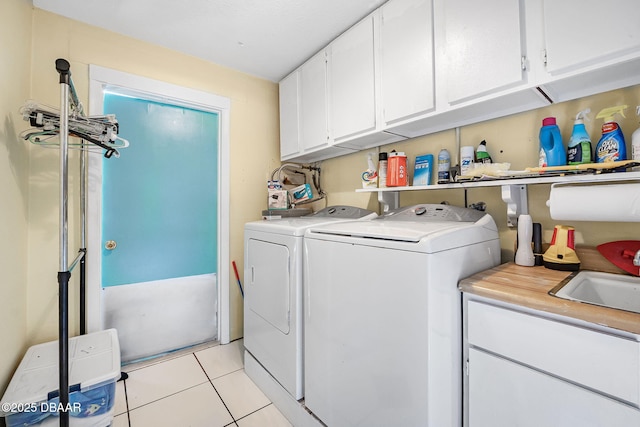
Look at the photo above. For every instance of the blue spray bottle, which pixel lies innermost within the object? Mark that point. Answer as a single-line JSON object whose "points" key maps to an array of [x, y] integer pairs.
{"points": [[552, 151], [611, 146], [579, 147]]}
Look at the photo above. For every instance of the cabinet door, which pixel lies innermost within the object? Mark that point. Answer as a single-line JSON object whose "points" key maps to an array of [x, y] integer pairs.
{"points": [[288, 89], [351, 80], [504, 393], [313, 103], [580, 33], [406, 59], [484, 47]]}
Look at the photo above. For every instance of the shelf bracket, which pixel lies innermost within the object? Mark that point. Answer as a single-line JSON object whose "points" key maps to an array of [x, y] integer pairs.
{"points": [[389, 200], [515, 196]]}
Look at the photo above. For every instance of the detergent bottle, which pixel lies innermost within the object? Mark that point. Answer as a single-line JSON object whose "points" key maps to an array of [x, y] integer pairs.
{"points": [[552, 151], [611, 146], [579, 147]]}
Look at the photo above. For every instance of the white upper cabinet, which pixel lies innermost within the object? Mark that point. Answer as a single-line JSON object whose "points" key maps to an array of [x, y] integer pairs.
{"points": [[484, 47], [583, 33], [304, 126], [589, 47], [415, 67], [289, 116], [406, 59], [314, 132], [352, 81], [355, 110]]}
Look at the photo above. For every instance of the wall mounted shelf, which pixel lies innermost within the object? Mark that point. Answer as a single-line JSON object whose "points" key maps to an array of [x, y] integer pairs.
{"points": [[514, 190]]}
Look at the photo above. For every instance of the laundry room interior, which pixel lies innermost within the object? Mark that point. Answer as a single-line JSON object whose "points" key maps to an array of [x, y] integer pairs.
{"points": [[317, 294]]}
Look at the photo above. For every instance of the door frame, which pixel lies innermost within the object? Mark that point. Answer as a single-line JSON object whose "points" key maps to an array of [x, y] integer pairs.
{"points": [[101, 79]]}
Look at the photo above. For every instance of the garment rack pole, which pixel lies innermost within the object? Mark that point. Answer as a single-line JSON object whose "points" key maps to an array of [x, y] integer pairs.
{"points": [[64, 273], [83, 239]]}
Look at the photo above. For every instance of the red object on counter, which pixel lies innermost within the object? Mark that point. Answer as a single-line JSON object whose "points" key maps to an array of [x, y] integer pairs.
{"points": [[620, 253]]}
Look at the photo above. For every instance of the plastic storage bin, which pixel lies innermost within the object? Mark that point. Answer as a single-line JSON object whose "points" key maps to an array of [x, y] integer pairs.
{"points": [[94, 367]]}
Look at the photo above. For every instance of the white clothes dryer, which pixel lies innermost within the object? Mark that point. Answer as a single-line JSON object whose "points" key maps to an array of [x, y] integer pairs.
{"points": [[273, 291], [383, 329]]}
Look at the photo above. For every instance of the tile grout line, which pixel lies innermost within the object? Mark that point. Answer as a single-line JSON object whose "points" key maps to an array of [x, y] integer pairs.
{"points": [[216, 390], [164, 397], [136, 366], [253, 412]]}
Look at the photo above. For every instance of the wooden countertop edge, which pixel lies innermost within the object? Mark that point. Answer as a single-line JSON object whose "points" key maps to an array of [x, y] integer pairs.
{"points": [[529, 287]]}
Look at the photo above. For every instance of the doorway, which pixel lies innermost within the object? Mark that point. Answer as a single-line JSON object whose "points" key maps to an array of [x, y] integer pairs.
{"points": [[177, 295]]}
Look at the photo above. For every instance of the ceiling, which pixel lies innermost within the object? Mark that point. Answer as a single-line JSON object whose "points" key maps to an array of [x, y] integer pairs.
{"points": [[264, 38]]}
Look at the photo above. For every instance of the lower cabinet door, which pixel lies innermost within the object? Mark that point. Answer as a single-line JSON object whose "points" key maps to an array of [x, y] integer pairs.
{"points": [[505, 393]]}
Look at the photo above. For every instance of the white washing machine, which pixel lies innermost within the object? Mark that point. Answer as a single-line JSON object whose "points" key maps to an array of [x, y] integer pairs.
{"points": [[273, 291], [383, 330]]}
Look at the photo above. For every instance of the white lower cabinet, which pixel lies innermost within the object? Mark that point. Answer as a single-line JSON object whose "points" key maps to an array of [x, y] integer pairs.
{"points": [[506, 393], [527, 368]]}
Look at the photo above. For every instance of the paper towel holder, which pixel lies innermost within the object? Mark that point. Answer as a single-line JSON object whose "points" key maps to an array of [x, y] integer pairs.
{"points": [[617, 201]]}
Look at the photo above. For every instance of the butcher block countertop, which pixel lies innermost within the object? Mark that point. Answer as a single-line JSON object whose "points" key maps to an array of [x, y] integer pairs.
{"points": [[529, 287]]}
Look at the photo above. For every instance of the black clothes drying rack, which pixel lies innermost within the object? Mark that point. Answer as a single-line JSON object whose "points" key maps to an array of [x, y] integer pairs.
{"points": [[96, 132]]}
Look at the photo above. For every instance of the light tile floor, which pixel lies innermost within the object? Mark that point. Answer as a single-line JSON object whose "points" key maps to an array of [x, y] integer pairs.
{"points": [[206, 387]]}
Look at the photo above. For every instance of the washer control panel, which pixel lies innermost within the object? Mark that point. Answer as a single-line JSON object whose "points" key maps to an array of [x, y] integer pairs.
{"points": [[433, 212]]}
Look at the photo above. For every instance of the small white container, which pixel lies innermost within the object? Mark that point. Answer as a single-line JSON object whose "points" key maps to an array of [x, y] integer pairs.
{"points": [[467, 159], [94, 367]]}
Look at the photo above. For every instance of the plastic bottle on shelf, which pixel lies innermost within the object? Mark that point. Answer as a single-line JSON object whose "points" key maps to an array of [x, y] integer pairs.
{"points": [[397, 169], [482, 155], [635, 143], [444, 164], [611, 146], [467, 159], [382, 169], [552, 152], [579, 147], [370, 176]]}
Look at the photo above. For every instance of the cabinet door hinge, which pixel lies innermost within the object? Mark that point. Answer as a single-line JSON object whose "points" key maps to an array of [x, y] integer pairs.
{"points": [[543, 55], [523, 63], [466, 367]]}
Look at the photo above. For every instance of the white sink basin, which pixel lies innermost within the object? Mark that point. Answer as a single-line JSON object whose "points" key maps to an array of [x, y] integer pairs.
{"points": [[605, 289]]}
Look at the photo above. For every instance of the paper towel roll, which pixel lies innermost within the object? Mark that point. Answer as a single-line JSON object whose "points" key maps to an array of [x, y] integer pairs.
{"points": [[619, 202]]}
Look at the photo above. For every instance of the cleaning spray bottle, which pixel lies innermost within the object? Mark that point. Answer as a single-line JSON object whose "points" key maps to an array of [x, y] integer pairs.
{"points": [[635, 143], [579, 148], [482, 155], [611, 146]]}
